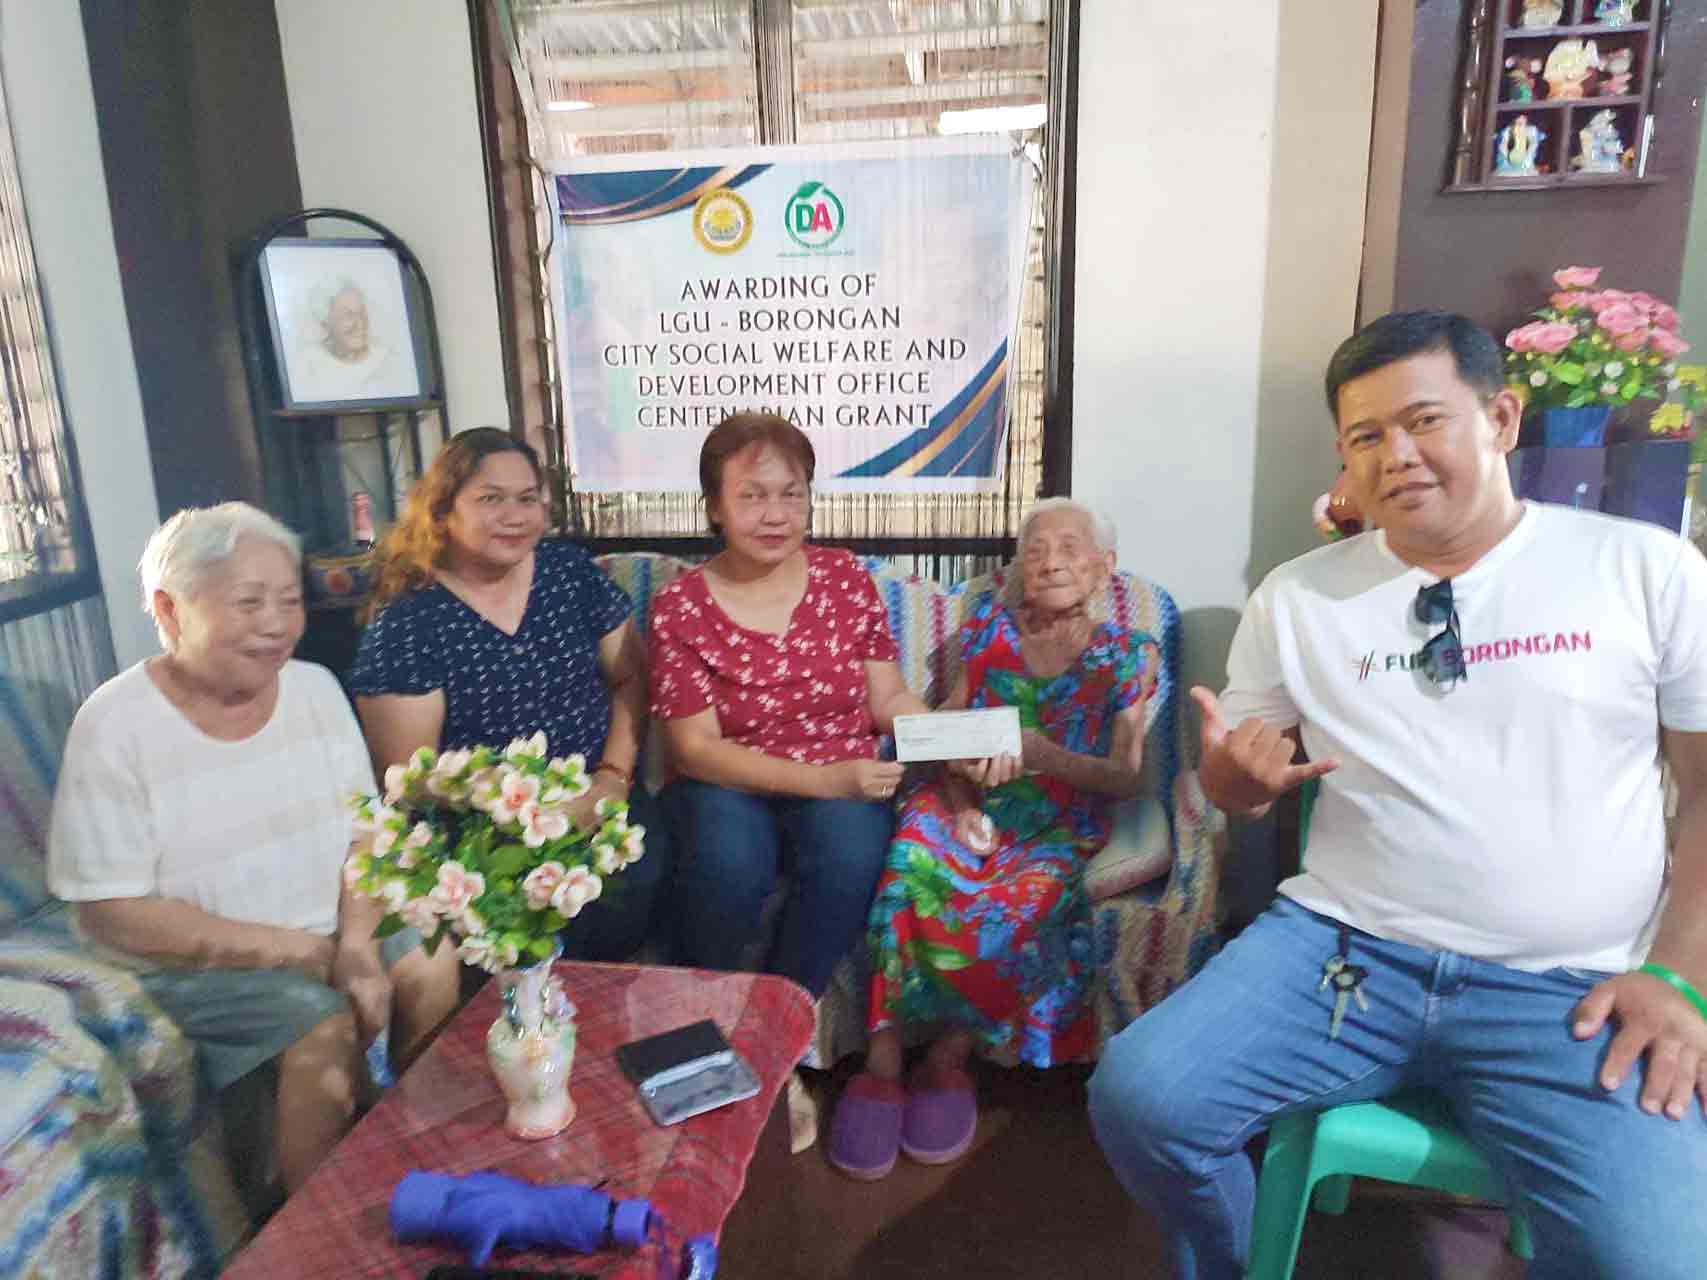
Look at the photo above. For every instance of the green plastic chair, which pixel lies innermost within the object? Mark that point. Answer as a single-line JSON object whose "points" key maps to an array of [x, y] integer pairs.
{"points": [[1408, 1138]]}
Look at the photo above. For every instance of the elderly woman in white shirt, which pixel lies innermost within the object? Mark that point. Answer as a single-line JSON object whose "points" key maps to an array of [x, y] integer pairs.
{"points": [[201, 823]]}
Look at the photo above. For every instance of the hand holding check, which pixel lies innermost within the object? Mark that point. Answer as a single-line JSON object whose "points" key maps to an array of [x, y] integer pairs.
{"points": [[1245, 769]]}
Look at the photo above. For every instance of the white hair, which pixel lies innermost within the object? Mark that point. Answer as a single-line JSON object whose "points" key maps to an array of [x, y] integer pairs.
{"points": [[1102, 529], [197, 540]]}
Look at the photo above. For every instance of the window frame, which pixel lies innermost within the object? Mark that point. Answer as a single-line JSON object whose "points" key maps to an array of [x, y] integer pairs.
{"points": [[535, 397], [43, 592]]}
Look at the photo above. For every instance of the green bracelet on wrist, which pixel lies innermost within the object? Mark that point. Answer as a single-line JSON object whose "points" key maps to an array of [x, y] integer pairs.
{"points": [[1678, 981]]}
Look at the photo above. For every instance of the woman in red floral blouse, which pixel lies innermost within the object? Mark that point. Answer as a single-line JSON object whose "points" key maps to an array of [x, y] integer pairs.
{"points": [[773, 675]]}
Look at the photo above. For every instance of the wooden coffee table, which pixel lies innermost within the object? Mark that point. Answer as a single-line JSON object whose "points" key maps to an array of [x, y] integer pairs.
{"points": [[446, 1115]]}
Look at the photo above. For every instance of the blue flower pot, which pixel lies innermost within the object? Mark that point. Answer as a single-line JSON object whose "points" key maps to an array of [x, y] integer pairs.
{"points": [[1583, 428]]}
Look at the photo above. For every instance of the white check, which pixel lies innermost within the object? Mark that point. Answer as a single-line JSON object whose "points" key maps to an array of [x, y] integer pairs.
{"points": [[958, 735]]}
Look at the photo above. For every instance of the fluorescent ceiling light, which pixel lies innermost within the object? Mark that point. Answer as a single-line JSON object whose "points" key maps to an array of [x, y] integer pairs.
{"points": [[993, 119], [574, 104]]}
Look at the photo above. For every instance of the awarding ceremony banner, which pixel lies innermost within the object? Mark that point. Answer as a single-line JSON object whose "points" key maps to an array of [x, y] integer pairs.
{"points": [[868, 292]]}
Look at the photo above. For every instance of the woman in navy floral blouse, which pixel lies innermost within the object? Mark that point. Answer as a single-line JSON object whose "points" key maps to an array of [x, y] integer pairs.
{"points": [[482, 633]]}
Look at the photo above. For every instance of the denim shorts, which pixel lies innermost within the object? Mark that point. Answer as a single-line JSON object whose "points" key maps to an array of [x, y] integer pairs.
{"points": [[241, 1018]]}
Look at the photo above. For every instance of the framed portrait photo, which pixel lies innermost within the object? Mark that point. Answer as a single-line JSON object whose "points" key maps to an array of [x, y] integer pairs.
{"points": [[343, 326]]}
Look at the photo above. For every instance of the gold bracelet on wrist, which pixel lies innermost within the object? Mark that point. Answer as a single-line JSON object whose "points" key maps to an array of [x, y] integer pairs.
{"points": [[605, 766]]}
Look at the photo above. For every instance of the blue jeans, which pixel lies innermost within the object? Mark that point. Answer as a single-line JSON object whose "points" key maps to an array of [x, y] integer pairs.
{"points": [[733, 844], [1609, 1189]]}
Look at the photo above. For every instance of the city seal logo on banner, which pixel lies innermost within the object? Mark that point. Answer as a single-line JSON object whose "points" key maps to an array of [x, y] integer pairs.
{"points": [[814, 216], [722, 222]]}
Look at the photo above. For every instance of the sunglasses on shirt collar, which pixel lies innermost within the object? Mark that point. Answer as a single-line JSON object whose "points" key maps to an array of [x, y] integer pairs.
{"points": [[1442, 658]]}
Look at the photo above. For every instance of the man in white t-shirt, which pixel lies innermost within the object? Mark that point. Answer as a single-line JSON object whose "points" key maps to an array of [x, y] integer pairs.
{"points": [[1486, 689]]}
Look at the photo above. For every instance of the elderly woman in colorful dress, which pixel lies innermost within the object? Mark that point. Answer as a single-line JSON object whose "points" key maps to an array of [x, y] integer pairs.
{"points": [[980, 932], [201, 823], [485, 632], [774, 674]]}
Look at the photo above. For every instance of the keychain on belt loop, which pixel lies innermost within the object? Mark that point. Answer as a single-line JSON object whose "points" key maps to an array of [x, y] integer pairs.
{"points": [[1346, 979]]}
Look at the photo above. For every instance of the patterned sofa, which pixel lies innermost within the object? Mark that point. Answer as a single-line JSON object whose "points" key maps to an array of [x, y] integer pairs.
{"points": [[1149, 938], [108, 1166]]}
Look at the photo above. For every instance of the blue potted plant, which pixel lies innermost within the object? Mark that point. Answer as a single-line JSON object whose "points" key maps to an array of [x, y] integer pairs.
{"points": [[1590, 352]]}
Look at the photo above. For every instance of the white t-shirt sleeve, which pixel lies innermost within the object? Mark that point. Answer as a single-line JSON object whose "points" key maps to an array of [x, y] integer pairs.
{"points": [[102, 841], [342, 733], [1256, 681], [1682, 644]]}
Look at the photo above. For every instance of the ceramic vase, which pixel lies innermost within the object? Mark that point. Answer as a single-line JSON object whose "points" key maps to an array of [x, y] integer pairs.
{"points": [[1583, 428], [531, 1046]]}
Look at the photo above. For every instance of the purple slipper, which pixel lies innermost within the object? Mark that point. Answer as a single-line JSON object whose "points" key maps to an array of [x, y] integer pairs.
{"points": [[865, 1134], [941, 1116]]}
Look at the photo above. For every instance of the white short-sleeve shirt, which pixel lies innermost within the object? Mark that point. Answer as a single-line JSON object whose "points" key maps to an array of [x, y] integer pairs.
{"points": [[1519, 816], [257, 830]]}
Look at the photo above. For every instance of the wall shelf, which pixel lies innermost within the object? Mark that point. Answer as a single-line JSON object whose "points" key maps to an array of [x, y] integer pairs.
{"points": [[1487, 111]]}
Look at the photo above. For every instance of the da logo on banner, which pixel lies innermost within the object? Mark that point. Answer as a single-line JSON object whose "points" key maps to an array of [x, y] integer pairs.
{"points": [[814, 216], [722, 222]]}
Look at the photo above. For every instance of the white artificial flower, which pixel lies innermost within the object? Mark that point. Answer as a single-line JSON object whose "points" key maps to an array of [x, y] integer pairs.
{"points": [[394, 894], [606, 859], [1609, 388], [1538, 378], [1614, 368], [482, 952], [526, 748]]}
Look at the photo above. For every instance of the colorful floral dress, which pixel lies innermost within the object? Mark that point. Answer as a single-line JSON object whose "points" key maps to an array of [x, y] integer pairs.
{"points": [[1000, 944]]}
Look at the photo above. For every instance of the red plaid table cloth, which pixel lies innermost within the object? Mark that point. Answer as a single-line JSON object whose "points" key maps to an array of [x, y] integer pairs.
{"points": [[446, 1115]]}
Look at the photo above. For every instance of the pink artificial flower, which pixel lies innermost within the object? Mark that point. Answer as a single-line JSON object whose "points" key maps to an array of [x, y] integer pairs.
{"points": [[1518, 339], [420, 915], [1551, 339], [579, 887], [1620, 319], [1607, 298], [540, 825], [1576, 277], [1666, 343], [518, 789], [1634, 340], [1664, 316], [513, 791], [541, 883], [1575, 300], [457, 887], [1644, 301]]}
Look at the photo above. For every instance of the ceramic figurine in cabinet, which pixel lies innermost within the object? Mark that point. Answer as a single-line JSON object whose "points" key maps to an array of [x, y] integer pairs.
{"points": [[1602, 148], [1520, 78], [1615, 13], [1542, 13], [1569, 66], [1616, 70], [1515, 148]]}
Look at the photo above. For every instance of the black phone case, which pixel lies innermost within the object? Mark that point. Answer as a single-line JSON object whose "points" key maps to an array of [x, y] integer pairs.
{"points": [[641, 1060]]}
